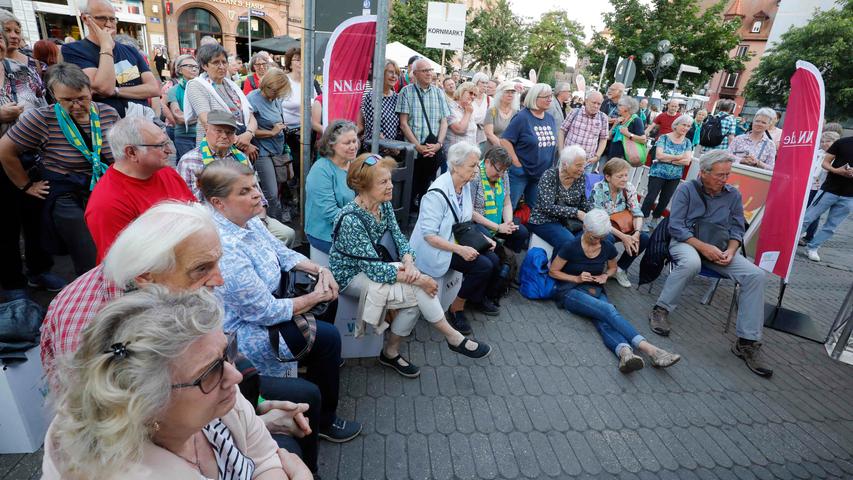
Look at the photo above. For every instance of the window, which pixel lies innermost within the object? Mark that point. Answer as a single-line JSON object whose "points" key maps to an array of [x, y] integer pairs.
{"points": [[731, 80], [260, 28], [742, 51], [756, 26], [195, 23]]}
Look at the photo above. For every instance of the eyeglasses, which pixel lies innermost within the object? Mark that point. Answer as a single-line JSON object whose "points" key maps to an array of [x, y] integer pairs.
{"points": [[370, 161], [79, 100], [262, 64], [219, 63], [165, 146], [187, 65], [500, 171], [544, 96], [212, 375], [105, 20]]}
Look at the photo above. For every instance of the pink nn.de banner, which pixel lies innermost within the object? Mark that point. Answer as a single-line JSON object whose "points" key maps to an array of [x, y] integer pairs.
{"points": [[786, 200], [349, 56]]}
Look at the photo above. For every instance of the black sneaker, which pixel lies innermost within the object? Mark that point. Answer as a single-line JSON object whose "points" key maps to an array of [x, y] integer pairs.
{"points": [[459, 322], [750, 355], [341, 431], [487, 307], [409, 370], [482, 350]]}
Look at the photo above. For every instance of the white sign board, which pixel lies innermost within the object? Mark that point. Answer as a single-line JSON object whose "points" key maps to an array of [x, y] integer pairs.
{"points": [[445, 25]]}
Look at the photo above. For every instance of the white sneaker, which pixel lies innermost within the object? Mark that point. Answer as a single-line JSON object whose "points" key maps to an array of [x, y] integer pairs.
{"points": [[622, 278], [811, 253]]}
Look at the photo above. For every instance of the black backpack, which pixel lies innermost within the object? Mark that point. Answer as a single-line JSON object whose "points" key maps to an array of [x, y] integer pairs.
{"points": [[711, 134]]}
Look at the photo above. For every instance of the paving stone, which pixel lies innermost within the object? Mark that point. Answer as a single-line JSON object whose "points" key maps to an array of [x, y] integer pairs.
{"points": [[573, 414], [762, 438], [545, 455], [481, 453], [732, 451], [626, 414], [441, 463], [678, 451], [428, 381], [424, 415], [500, 413], [418, 456], [396, 464], [752, 452], [504, 456], [444, 421], [622, 451], [518, 414], [564, 454], [483, 420], [385, 415], [640, 450], [351, 457], [710, 447], [552, 412], [365, 412], [480, 381], [404, 410], [462, 414], [743, 473], [584, 453], [462, 457], [655, 410], [524, 455], [602, 450], [589, 412], [814, 470], [611, 418]]}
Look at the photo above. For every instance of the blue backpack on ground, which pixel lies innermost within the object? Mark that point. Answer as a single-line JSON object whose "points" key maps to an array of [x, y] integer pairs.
{"points": [[533, 276]]}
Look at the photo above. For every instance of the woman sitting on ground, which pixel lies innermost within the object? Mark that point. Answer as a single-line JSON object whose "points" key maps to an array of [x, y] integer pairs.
{"points": [[151, 392], [581, 268], [615, 194], [364, 230], [492, 204], [558, 214], [434, 243]]}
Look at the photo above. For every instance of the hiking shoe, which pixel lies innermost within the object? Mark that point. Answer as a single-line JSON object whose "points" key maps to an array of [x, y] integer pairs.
{"points": [[664, 359], [750, 353], [628, 362], [812, 254], [659, 321], [46, 281], [459, 321], [341, 431], [803, 241], [481, 351], [397, 363], [622, 278], [487, 307]]}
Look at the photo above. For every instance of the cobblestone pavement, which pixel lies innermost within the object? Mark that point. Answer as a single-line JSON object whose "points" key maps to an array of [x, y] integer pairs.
{"points": [[550, 403]]}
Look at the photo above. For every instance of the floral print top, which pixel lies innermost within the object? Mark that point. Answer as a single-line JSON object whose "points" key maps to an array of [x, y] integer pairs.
{"points": [[352, 238], [667, 170], [602, 199], [556, 203]]}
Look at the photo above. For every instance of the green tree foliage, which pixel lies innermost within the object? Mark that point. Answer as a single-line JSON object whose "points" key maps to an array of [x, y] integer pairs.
{"points": [[548, 41], [701, 39], [408, 26], [495, 36], [825, 42]]}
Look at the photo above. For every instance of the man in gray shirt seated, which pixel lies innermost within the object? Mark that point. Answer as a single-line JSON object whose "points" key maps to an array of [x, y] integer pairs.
{"points": [[722, 206]]}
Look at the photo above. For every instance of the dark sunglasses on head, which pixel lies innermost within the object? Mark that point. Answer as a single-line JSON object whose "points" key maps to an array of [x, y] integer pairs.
{"points": [[370, 161], [212, 375]]}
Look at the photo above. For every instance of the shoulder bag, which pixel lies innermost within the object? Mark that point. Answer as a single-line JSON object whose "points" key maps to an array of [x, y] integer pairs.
{"points": [[465, 233], [438, 158], [386, 248], [623, 220], [709, 232], [294, 284]]}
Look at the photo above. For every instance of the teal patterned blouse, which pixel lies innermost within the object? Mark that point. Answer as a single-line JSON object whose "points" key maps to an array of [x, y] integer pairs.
{"points": [[668, 170], [602, 199], [353, 239]]}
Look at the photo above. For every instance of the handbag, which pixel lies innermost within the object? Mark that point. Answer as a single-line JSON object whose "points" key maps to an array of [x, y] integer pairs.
{"points": [[709, 232], [386, 248], [635, 153], [294, 284], [465, 233], [623, 220]]}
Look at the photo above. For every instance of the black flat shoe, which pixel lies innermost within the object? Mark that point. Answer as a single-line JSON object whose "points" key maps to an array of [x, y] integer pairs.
{"points": [[481, 351], [459, 322], [408, 371]]}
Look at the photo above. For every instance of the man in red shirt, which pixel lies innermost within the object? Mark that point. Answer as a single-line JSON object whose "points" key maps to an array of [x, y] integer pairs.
{"points": [[139, 178], [665, 119]]}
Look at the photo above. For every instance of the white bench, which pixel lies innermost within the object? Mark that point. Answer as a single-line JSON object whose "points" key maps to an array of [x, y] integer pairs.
{"points": [[448, 287], [537, 241]]}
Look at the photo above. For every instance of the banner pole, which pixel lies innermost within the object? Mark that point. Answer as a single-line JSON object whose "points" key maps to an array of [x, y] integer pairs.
{"points": [[379, 72], [442, 61]]}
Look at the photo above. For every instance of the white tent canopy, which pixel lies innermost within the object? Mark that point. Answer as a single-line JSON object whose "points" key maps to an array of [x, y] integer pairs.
{"points": [[401, 54]]}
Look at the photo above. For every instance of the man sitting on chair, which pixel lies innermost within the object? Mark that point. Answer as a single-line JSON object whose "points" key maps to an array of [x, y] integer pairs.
{"points": [[707, 225]]}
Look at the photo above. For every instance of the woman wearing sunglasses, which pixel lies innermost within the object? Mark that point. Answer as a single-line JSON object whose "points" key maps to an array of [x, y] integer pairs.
{"points": [[186, 69], [372, 261], [152, 393]]}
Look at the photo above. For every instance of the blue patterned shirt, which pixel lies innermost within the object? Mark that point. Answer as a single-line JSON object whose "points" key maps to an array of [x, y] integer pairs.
{"points": [[601, 198], [729, 125], [252, 262], [668, 170]]}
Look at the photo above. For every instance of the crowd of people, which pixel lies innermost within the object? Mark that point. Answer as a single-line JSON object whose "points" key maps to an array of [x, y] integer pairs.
{"points": [[196, 340]]}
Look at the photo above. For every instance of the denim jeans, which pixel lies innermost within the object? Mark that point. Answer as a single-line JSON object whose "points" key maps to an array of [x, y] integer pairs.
{"points": [[321, 245], [269, 185], [296, 390], [522, 183], [626, 260], [554, 233], [615, 330], [839, 207], [812, 228], [183, 145]]}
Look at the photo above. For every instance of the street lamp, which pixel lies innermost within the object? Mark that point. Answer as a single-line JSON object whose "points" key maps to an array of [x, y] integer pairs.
{"points": [[666, 59]]}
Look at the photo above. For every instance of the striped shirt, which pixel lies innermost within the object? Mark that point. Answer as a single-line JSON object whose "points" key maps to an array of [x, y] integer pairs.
{"points": [[231, 464], [38, 131]]}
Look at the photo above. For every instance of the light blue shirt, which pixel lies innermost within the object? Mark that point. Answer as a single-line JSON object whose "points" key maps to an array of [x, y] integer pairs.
{"points": [[326, 193], [435, 218], [251, 264]]}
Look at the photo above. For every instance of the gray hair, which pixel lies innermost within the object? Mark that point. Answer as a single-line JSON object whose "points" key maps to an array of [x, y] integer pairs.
{"points": [[533, 94], [108, 403], [630, 102], [593, 93], [766, 112], [332, 134], [83, 6], [596, 222], [479, 77], [499, 156], [571, 154], [562, 87], [465, 87], [683, 119], [713, 157], [207, 52], [503, 87], [148, 244], [830, 136], [218, 178], [459, 153], [208, 40], [726, 105], [126, 132], [256, 57], [179, 61], [6, 17], [69, 75]]}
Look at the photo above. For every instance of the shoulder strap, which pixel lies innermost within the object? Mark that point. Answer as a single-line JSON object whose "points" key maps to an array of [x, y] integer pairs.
{"points": [[252, 81], [10, 79], [701, 195], [449, 205], [423, 107], [366, 230]]}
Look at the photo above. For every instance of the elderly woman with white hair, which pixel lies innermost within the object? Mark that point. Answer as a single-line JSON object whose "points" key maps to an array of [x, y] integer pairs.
{"points": [[674, 152], [461, 126], [500, 113], [755, 148], [628, 127], [558, 213], [152, 393], [447, 203], [531, 140], [481, 103], [582, 267]]}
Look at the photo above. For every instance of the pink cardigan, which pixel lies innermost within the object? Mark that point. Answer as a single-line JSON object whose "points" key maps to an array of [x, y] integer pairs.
{"points": [[248, 431]]}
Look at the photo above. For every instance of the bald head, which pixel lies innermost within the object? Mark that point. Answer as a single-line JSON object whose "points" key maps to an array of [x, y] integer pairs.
{"points": [[615, 91], [91, 10]]}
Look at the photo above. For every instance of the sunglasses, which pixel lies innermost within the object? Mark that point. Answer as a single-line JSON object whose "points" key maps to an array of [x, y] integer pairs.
{"points": [[212, 375], [370, 161]]}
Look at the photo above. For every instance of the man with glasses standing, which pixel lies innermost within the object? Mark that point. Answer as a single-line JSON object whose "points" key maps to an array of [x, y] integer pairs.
{"points": [[139, 178], [119, 74], [423, 111], [68, 136]]}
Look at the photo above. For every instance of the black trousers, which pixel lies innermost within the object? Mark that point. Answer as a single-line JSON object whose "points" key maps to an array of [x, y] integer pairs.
{"points": [[423, 175], [478, 274], [22, 212], [659, 186]]}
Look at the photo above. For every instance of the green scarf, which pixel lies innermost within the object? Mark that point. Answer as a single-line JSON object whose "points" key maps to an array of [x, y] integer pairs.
{"points": [[207, 153], [617, 135], [72, 134], [493, 199]]}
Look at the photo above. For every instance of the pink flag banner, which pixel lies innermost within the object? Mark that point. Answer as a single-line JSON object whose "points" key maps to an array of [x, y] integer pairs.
{"points": [[786, 200], [346, 69]]}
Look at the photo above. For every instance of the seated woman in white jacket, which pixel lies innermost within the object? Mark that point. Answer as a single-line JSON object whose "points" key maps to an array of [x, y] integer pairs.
{"points": [[371, 259], [448, 201]]}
